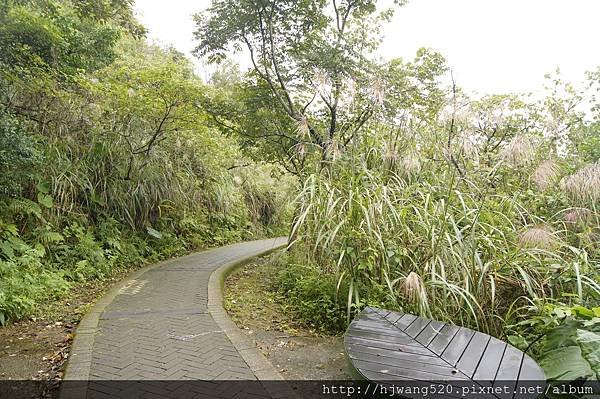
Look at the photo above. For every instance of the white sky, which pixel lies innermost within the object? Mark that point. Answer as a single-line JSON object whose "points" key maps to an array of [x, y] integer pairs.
{"points": [[492, 46]]}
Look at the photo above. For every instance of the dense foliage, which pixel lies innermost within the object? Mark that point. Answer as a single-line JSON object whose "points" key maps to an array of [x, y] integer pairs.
{"points": [[485, 239], [481, 212], [107, 159], [484, 212]]}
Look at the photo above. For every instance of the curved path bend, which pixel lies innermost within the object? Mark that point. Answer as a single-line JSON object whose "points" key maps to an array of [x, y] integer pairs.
{"points": [[166, 323]]}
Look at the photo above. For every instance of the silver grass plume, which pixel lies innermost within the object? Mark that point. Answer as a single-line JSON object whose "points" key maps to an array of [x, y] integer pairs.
{"points": [[413, 288], [463, 146], [577, 217], [302, 127], [584, 185], [519, 151], [390, 154], [410, 163], [378, 92], [333, 149], [322, 81], [348, 93], [300, 150], [540, 237], [545, 175]]}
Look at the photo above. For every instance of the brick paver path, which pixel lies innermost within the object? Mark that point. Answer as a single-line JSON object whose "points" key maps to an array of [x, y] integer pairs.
{"points": [[158, 327]]}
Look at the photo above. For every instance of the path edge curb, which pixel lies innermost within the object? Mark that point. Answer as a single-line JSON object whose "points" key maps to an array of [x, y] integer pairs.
{"points": [[256, 361], [75, 381]]}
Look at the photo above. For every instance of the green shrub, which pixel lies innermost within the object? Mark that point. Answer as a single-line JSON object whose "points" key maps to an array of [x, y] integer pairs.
{"points": [[313, 296], [18, 154], [25, 281], [462, 249], [565, 340], [132, 172]]}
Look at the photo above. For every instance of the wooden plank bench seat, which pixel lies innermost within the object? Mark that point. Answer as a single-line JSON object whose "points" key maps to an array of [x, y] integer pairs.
{"points": [[386, 347]]}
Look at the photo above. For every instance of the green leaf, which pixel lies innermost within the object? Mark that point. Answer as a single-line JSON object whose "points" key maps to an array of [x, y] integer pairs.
{"points": [[12, 229], [565, 364], [590, 349], [571, 351], [518, 341], [154, 233], [39, 250], [582, 311], [593, 324], [45, 200], [563, 335], [98, 200], [43, 187], [7, 249]]}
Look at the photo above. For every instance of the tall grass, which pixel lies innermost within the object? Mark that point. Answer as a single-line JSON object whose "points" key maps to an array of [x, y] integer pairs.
{"points": [[470, 248], [102, 177]]}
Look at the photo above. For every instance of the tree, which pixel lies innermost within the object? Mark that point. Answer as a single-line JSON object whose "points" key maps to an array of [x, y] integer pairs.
{"points": [[18, 154], [311, 62], [50, 45], [62, 37]]}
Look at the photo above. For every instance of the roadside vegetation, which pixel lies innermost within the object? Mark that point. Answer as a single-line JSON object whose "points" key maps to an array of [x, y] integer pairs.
{"points": [[107, 158], [397, 188], [300, 346], [412, 194]]}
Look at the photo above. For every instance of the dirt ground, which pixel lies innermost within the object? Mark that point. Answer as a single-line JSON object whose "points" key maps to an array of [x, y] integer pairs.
{"points": [[37, 349], [297, 352]]}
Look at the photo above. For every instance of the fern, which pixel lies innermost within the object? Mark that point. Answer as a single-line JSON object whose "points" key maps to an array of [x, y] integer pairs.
{"points": [[25, 207], [46, 237]]}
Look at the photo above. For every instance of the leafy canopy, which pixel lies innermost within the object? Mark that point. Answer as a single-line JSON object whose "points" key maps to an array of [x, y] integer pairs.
{"points": [[64, 37], [313, 58]]}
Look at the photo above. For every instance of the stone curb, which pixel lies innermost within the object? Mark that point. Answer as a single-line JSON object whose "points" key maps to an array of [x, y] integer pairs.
{"points": [[256, 361], [80, 356], [79, 362]]}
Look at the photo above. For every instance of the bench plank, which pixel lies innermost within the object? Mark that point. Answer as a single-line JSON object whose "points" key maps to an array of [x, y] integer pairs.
{"points": [[490, 361], [441, 342], [458, 345], [432, 330], [385, 346]]}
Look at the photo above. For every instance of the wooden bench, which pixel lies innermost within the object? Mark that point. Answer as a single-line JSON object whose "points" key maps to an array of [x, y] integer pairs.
{"points": [[386, 347]]}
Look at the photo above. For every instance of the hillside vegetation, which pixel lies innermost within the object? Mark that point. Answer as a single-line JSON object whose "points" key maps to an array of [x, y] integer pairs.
{"points": [[398, 189], [480, 211], [107, 158]]}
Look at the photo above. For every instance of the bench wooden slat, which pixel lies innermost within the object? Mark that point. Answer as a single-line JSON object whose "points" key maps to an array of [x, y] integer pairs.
{"points": [[382, 335], [469, 359], [397, 334], [404, 362], [416, 327], [355, 351], [393, 317], [405, 370], [508, 373], [432, 330], [507, 370], [490, 361], [386, 346], [440, 343], [530, 370], [405, 321], [376, 343], [458, 345]]}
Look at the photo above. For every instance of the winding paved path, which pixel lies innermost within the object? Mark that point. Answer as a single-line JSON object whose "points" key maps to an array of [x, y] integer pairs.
{"points": [[159, 325]]}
